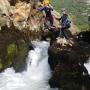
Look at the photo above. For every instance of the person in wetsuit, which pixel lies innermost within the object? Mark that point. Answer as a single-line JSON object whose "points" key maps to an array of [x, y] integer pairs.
{"points": [[48, 15], [65, 23]]}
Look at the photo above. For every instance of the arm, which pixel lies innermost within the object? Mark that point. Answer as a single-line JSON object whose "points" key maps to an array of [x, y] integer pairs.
{"points": [[40, 9], [51, 7], [58, 18]]}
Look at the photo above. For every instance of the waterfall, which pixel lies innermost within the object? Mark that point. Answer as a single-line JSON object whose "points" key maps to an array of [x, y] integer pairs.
{"points": [[87, 65], [35, 77]]}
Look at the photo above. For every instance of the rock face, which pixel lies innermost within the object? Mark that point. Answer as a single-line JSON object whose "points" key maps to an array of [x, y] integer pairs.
{"points": [[67, 58], [5, 11], [24, 24], [84, 36], [13, 48], [25, 15], [21, 14], [4, 7], [13, 2]]}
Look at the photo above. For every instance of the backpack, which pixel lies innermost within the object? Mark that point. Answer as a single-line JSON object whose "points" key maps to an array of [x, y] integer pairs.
{"points": [[66, 23]]}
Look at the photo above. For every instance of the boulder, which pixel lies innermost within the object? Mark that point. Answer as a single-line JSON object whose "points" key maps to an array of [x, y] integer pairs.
{"points": [[66, 59]]}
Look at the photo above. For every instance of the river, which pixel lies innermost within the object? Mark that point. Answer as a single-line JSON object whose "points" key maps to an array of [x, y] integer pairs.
{"points": [[35, 77]]}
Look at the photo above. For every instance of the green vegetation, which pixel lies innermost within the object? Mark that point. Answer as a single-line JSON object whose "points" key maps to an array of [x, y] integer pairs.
{"points": [[12, 49], [77, 9], [11, 52], [0, 65]]}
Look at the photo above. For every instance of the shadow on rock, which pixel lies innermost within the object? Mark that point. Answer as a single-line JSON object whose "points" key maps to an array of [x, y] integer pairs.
{"points": [[14, 46], [66, 59], [84, 36]]}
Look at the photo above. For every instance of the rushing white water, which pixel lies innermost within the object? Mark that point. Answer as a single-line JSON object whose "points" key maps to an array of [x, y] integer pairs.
{"points": [[35, 77], [87, 65]]}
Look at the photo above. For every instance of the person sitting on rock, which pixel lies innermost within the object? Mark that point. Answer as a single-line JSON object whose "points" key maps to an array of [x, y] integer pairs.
{"points": [[65, 23], [48, 16]]}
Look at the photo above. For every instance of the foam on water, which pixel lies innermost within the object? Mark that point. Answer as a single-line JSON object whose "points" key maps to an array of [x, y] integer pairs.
{"points": [[87, 65], [35, 77]]}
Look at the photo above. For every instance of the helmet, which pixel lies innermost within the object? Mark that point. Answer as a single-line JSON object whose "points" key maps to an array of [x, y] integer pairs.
{"points": [[64, 12], [46, 2], [63, 9]]}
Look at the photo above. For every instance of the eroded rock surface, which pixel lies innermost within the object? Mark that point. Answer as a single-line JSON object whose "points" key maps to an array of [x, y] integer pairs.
{"points": [[14, 46], [67, 58]]}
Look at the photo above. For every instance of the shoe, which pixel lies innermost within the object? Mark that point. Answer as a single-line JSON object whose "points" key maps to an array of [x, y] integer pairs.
{"points": [[46, 30]]}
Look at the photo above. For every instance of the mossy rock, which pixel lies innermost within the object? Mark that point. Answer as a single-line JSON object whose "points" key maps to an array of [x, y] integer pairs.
{"points": [[19, 62], [13, 48], [11, 52]]}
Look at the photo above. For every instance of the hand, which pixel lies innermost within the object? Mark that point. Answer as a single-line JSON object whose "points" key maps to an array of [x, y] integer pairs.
{"points": [[59, 26]]}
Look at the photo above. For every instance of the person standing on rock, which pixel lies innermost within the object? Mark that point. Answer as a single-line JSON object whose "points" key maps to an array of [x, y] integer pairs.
{"points": [[48, 16], [64, 22]]}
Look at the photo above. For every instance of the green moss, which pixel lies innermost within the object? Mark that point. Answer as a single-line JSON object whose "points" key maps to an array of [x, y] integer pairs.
{"points": [[0, 65], [11, 52], [11, 49], [19, 61]]}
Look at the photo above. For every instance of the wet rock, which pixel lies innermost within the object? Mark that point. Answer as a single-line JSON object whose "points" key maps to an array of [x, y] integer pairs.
{"points": [[13, 48], [84, 36], [86, 82], [66, 59]]}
